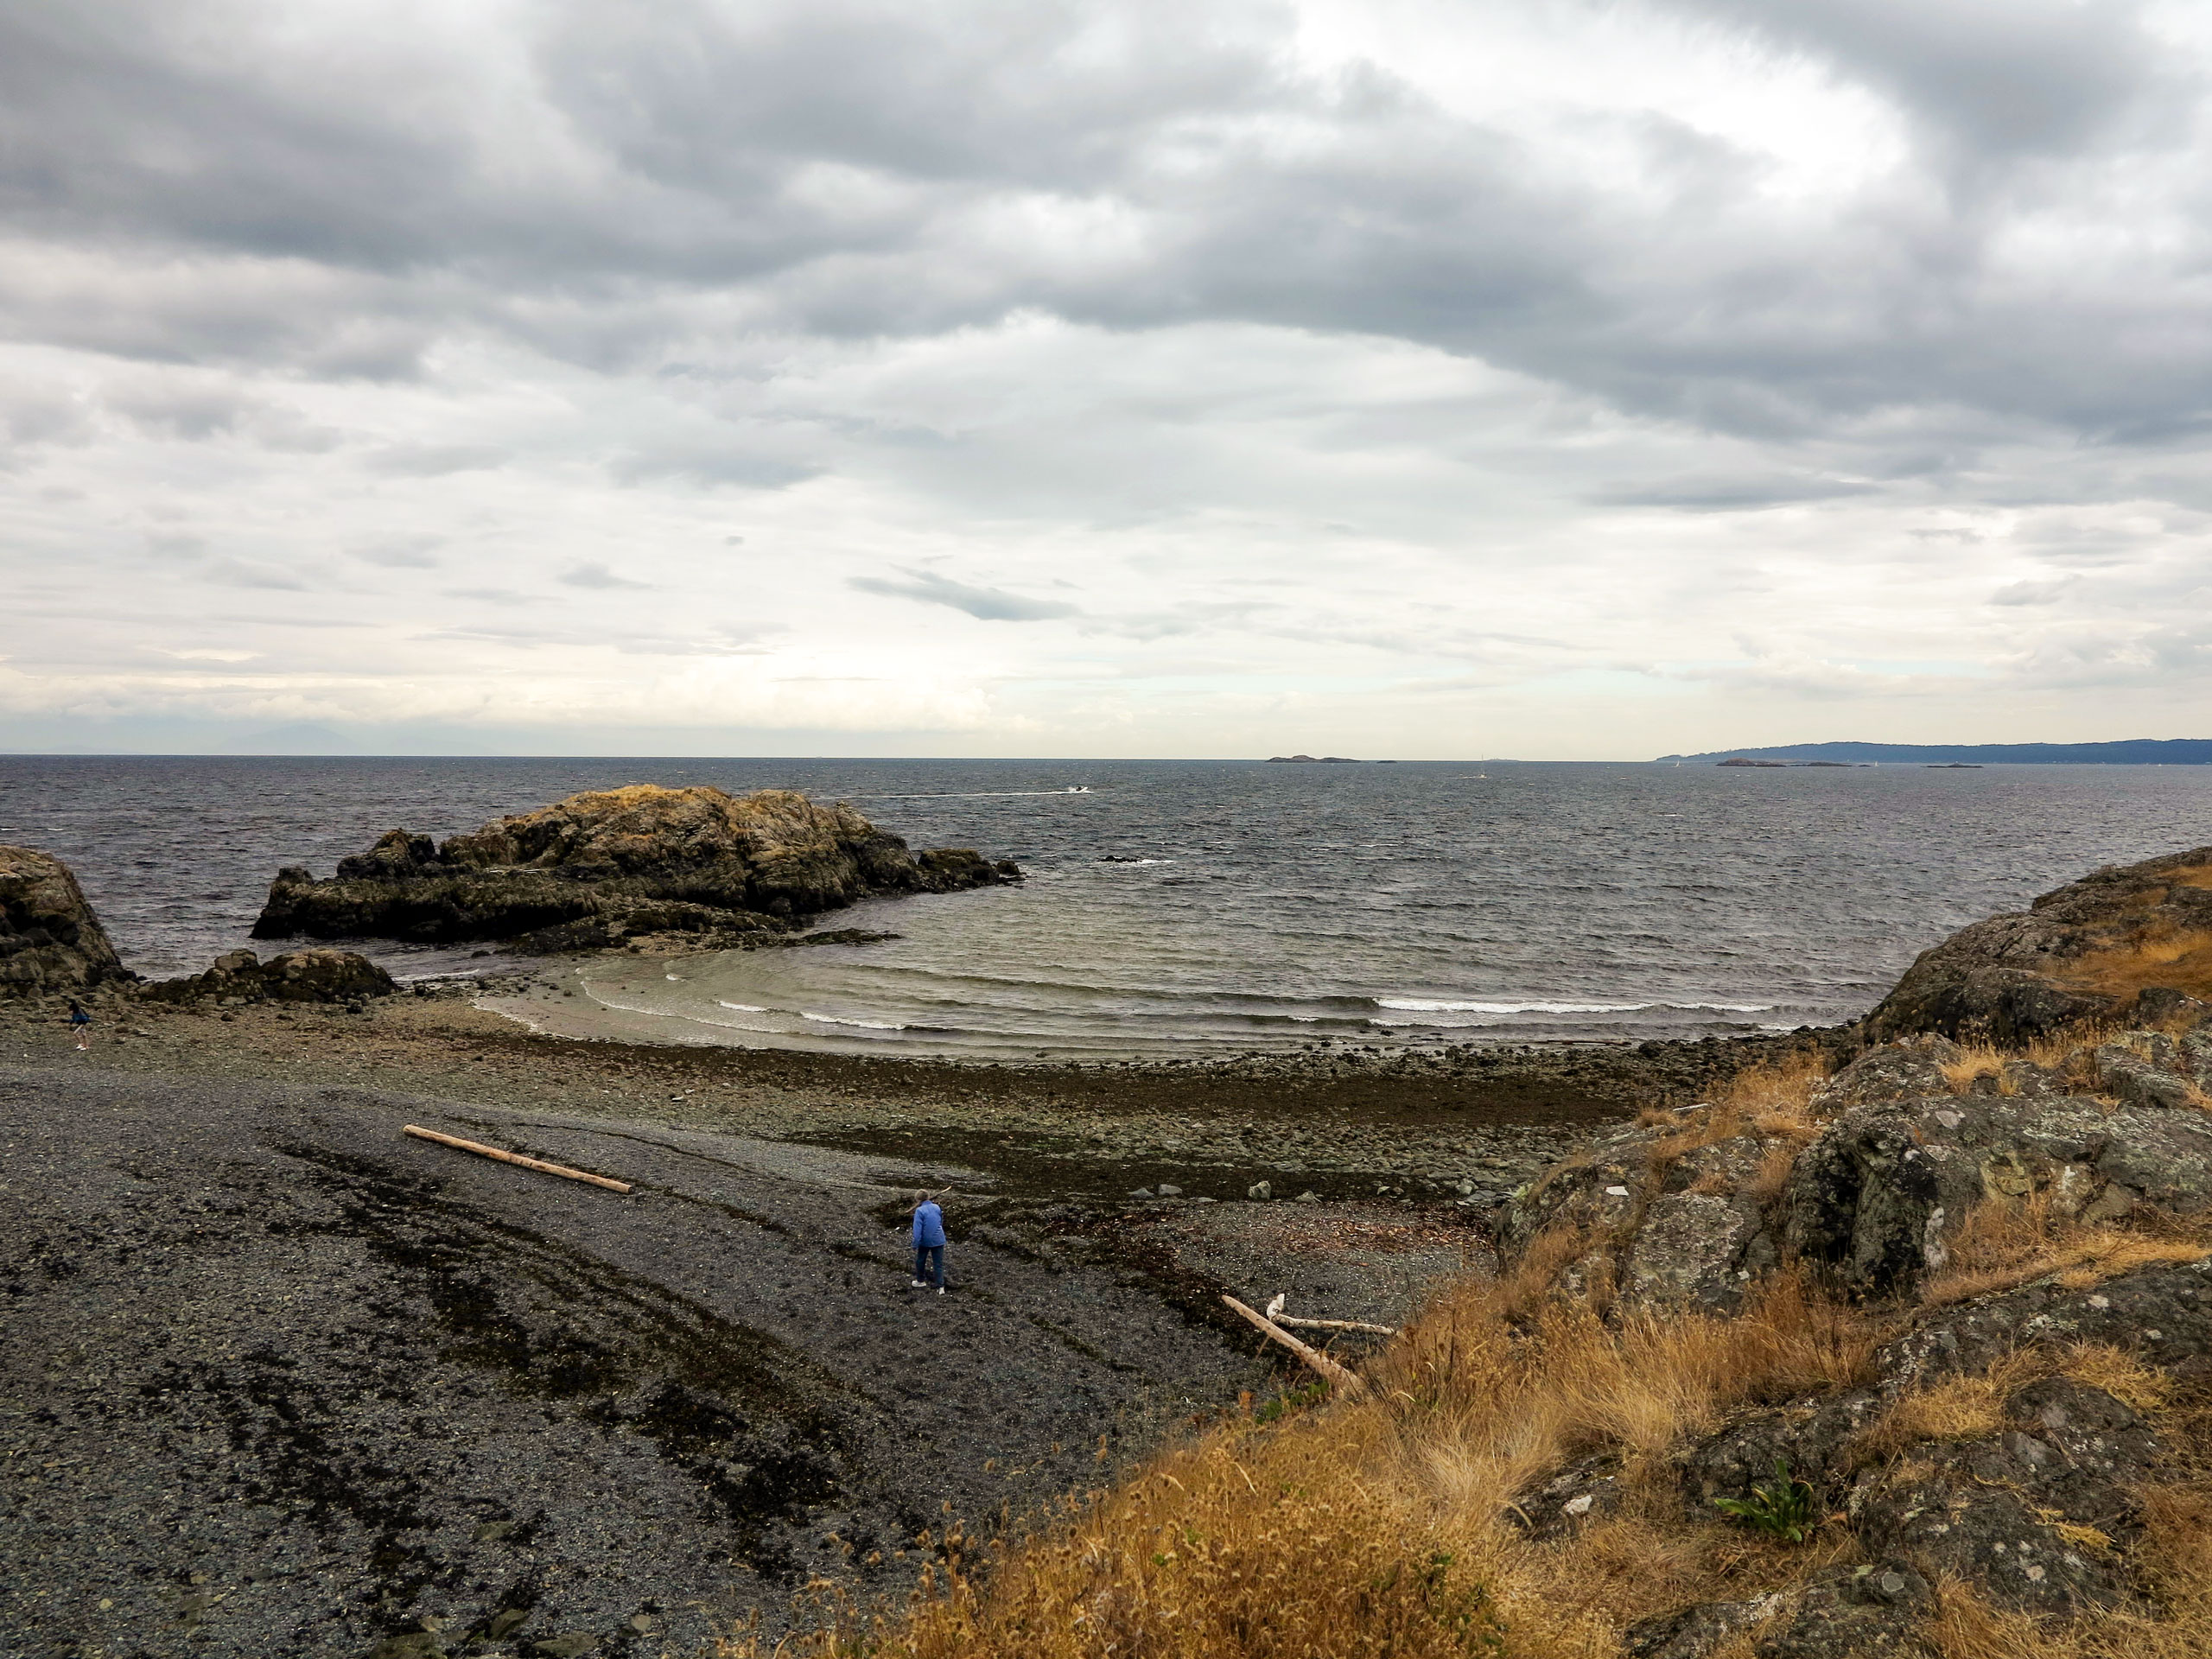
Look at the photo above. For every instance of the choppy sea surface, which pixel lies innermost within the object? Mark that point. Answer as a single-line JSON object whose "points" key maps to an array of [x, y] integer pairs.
{"points": [[1190, 907]]}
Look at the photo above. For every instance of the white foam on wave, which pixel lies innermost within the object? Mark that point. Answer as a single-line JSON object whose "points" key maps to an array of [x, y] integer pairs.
{"points": [[739, 1008], [865, 1025], [1420, 1005], [971, 795]]}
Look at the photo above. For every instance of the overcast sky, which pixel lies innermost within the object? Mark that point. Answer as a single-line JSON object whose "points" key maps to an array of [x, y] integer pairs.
{"points": [[1088, 378]]}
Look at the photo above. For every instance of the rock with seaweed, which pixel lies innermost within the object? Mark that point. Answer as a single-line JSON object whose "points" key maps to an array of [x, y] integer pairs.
{"points": [[311, 975], [50, 940], [598, 868]]}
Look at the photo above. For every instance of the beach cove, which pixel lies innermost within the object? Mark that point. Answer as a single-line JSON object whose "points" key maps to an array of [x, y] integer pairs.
{"points": [[295, 1381]]}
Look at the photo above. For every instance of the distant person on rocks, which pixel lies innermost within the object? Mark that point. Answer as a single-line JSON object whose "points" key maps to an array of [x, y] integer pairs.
{"points": [[929, 1244], [81, 1023]]}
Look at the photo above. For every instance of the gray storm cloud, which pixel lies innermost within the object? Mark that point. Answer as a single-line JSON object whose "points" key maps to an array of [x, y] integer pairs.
{"points": [[1340, 350]]}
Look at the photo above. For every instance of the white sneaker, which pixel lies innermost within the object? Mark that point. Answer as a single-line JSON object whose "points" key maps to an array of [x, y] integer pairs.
{"points": [[917, 1284], [940, 1290]]}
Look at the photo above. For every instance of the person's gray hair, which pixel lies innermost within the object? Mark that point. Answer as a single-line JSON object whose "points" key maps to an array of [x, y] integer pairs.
{"points": [[920, 1198]]}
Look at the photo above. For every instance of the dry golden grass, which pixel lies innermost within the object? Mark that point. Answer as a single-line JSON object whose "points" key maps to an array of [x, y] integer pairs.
{"points": [[1967, 1407], [1327, 1534], [2179, 957], [1956, 1408], [1389, 1525], [2003, 1243], [1976, 1061], [1261, 1542], [1384, 1526], [1771, 1100], [1967, 1627]]}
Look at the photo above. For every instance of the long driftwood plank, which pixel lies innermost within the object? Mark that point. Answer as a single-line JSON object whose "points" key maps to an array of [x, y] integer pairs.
{"points": [[506, 1157]]}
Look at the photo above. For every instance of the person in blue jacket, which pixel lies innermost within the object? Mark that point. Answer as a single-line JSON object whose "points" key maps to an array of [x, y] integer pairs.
{"points": [[929, 1244]]}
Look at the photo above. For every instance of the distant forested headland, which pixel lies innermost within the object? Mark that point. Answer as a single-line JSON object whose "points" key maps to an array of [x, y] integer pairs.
{"points": [[2134, 752]]}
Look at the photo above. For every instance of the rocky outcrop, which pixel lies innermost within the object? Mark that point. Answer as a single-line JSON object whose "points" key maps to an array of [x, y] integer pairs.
{"points": [[1878, 1196], [600, 867], [314, 976], [1691, 1234], [2034, 1513], [2090, 950], [50, 941], [1876, 1199], [2035, 1498]]}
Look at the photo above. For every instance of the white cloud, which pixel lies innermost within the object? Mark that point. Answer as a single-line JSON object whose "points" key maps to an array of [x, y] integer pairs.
{"points": [[1570, 378]]}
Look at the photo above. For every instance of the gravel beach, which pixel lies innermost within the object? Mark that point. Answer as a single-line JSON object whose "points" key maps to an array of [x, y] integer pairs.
{"points": [[282, 1379]]}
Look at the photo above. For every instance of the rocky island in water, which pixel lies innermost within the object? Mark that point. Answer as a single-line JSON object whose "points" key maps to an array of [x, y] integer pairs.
{"points": [[1892, 1338]]}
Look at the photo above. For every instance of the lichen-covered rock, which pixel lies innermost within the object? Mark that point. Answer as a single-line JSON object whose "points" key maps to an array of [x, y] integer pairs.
{"points": [[2147, 1068], [1586, 1489], [311, 975], [1693, 1632], [1596, 1193], [1878, 1609], [2089, 950], [2163, 1315], [2033, 1514], [1808, 1436], [49, 939], [617, 862], [1703, 1239], [1900, 1071], [1880, 1195]]}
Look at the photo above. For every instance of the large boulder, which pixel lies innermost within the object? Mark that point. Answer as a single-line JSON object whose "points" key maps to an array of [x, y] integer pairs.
{"points": [[591, 869], [49, 938], [312, 976], [2031, 1514], [1878, 1196], [2087, 950]]}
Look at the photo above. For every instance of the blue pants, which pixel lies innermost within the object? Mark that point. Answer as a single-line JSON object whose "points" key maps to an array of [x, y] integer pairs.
{"points": [[929, 1264]]}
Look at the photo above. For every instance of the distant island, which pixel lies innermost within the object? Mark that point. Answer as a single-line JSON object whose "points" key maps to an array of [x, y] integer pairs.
{"points": [[2134, 752], [1312, 759]]}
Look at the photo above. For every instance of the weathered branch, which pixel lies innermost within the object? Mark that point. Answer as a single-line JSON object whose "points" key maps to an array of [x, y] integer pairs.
{"points": [[1349, 1381], [1338, 1324], [477, 1147]]}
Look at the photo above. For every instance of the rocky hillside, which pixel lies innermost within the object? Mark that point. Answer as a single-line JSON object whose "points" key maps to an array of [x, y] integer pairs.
{"points": [[2023, 1239], [590, 870], [2085, 950], [1909, 1359], [50, 941]]}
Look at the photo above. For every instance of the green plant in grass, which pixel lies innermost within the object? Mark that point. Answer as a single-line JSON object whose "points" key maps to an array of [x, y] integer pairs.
{"points": [[1781, 1508]]}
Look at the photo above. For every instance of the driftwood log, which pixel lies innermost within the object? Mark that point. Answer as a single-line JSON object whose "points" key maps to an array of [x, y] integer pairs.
{"points": [[1275, 1312], [1349, 1381], [506, 1157]]}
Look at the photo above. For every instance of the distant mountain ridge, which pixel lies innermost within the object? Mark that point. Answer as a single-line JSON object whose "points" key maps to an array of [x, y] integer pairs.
{"points": [[2134, 751]]}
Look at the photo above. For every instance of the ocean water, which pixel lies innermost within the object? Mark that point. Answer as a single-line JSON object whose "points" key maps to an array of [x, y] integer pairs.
{"points": [[1197, 907]]}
